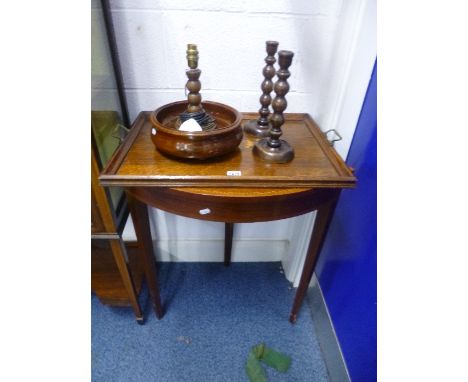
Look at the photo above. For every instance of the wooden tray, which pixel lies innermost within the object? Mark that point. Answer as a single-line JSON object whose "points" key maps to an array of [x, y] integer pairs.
{"points": [[316, 164]]}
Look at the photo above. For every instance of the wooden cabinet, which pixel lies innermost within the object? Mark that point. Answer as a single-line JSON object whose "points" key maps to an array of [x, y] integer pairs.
{"points": [[116, 272], [116, 269]]}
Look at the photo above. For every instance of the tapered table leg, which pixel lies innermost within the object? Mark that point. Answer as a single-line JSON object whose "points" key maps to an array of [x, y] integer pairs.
{"points": [[139, 212], [322, 221], [228, 232]]}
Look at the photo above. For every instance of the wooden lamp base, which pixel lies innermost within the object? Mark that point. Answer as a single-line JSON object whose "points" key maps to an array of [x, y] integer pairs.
{"points": [[282, 154]]}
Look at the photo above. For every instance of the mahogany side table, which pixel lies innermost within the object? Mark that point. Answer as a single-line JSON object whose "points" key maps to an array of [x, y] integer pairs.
{"points": [[234, 188]]}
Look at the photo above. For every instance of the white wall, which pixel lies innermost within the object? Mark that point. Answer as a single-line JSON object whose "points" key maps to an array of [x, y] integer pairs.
{"points": [[330, 72], [152, 37]]}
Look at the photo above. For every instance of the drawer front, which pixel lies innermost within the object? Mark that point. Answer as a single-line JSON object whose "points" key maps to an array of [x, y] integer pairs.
{"points": [[233, 209]]}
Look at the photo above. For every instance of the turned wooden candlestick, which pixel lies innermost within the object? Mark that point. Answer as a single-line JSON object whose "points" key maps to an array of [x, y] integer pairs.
{"points": [[260, 127], [272, 148]]}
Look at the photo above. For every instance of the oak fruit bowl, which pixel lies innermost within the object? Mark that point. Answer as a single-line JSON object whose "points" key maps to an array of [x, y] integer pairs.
{"points": [[225, 138]]}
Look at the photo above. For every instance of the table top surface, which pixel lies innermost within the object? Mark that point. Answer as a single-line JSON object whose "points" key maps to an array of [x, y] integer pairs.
{"points": [[315, 165]]}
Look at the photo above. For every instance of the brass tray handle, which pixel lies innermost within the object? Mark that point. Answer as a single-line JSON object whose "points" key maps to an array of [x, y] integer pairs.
{"points": [[332, 136]]}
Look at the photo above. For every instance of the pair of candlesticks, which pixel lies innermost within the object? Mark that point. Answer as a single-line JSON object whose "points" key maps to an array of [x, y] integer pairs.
{"points": [[270, 147]]}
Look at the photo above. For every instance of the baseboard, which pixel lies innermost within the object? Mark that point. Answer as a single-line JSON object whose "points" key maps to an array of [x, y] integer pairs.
{"points": [[213, 250], [326, 335]]}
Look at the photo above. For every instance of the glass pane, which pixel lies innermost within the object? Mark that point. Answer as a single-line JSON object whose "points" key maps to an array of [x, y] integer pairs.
{"points": [[106, 111]]}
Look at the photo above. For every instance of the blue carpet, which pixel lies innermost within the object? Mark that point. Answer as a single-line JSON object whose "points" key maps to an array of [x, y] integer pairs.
{"points": [[213, 316]]}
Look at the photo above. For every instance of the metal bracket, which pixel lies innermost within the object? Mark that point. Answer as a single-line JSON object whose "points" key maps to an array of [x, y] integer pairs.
{"points": [[332, 136]]}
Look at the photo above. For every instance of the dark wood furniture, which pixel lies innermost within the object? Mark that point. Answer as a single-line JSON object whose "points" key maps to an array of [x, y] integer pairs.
{"points": [[116, 268], [259, 191]]}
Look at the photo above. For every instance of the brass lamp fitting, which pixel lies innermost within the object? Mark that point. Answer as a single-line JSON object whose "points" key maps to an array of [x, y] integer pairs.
{"points": [[192, 56]]}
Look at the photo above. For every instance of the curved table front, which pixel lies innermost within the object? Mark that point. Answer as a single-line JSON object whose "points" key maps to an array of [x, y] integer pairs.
{"points": [[234, 205]]}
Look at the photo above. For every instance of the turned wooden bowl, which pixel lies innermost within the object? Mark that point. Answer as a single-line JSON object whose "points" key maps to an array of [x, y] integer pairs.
{"points": [[199, 144]]}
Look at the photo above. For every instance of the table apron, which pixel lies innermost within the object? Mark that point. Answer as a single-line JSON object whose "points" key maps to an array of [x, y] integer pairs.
{"points": [[233, 209]]}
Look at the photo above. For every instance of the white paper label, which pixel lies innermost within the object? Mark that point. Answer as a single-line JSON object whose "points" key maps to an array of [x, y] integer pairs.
{"points": [[234, 173], [205, 211]]}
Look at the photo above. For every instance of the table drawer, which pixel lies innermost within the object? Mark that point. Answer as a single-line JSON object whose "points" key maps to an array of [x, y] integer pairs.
{"points": [[233, 209]]}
